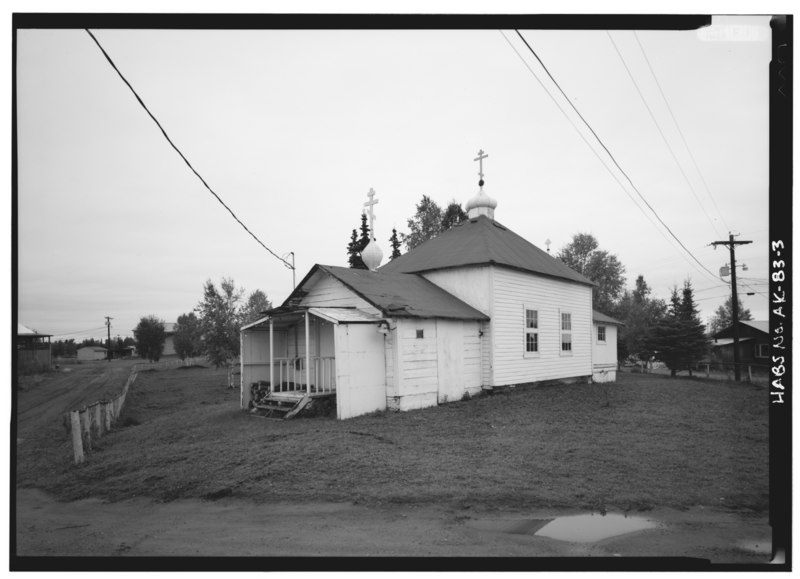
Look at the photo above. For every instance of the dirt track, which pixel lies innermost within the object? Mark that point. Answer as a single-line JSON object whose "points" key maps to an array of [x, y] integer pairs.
{"points": [[234, 528], [43, 398]]}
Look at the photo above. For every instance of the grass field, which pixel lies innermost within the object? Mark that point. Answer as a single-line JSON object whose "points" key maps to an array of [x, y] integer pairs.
{"points": [[641, 443]]}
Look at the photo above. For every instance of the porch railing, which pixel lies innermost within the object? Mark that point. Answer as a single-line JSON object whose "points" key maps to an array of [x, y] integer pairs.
{"points": [[290, 374]]}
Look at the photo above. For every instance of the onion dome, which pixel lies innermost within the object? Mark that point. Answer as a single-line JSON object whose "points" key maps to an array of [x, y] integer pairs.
{"points": [[372, 255]]}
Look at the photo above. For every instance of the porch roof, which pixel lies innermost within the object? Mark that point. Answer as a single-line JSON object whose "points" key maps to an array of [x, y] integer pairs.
{"points": [[334, 315]]}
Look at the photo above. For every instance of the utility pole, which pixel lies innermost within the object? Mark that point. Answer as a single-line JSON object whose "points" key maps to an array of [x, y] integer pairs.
{"points": [[108, 323], [731, 245]]}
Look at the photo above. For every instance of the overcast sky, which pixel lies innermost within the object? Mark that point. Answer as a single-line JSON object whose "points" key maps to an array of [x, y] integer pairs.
{"points": [[292, 128]]}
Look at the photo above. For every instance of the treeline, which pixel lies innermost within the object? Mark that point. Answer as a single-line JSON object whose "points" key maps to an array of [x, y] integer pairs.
{"points": [[211, 329], [69, 348]]}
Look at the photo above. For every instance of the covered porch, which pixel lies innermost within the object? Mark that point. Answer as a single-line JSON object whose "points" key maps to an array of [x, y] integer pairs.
{"points": [[290, 355]]}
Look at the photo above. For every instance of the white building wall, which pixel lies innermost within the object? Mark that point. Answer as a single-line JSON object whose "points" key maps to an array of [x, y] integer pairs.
{"points": [[169, 346], [417, 364], [360, 370], [254, 361], [514, 291], [604, 354], [474, 286], [331, 293]]}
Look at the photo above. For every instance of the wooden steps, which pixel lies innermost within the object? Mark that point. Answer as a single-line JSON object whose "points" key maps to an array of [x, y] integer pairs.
{"points": [[280, 407]]}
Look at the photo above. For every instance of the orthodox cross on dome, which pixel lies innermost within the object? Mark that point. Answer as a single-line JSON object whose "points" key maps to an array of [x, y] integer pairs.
{"points": [[481, 156], [371, 214]]}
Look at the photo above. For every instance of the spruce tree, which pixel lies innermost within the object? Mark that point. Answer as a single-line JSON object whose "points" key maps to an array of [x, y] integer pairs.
{"points": [[665, 340], [694, 339], [356, 245], [395, 243]]}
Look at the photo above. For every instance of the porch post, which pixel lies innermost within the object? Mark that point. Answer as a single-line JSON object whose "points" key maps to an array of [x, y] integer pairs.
{"points": [[271, 360], [308, 357]]}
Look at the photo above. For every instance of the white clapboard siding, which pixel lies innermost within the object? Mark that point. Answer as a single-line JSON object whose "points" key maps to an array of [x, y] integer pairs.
{"points": [[514, 291], [326, 291], [417, 360]]}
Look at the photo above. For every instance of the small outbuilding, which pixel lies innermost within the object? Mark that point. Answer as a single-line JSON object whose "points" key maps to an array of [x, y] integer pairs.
{"points": [[88, 353], [604, 347]]}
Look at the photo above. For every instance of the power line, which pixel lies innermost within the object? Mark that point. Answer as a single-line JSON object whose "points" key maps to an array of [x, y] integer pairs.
{"points": [[660, 131], [79, 332], [680, 132], [585, 140], [613, 159], [185, 160]]}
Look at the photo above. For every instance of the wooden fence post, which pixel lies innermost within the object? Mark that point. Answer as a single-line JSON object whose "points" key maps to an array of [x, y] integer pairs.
{"points": [[749, 373], [97, 420], [86, 427], [708, 370], [109, 412], [77, 442]]}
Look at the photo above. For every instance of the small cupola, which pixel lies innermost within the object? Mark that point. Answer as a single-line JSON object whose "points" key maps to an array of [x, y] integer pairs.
{"points": [[481, 203]]}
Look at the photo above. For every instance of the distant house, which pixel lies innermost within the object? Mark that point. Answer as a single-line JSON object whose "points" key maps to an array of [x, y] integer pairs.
{"points": [[87, 353], [33, 350], [753, 344], [169, 343], [604, 347], [476, 307]]}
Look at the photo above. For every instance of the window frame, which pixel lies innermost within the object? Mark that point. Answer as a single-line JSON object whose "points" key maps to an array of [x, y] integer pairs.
{"points": [[527, 331], [565, 332], [605, 334], [760, 348]]}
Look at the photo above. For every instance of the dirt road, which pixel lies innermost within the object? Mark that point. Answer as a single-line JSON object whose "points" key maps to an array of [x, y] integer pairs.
{"points": [[234, 528], [43, 398]]}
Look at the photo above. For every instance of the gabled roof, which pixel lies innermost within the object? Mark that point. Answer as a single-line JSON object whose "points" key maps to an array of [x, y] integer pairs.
{"points": [[760, 325], [399, 295], [481, 241], [604, 319]]}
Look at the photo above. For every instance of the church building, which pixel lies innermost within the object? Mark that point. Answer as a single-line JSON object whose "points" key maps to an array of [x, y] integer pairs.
{"points": [[475, 308]]}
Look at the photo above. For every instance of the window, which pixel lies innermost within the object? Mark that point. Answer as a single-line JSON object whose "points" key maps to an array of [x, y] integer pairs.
{"points": [[566, 333], [420, 334], [762, 351], [531, 331], [601, 334]]}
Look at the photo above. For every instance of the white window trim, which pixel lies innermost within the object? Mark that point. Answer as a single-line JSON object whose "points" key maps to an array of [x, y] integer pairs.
{"points": [[525, 354], [561, 332], [604, 341]]}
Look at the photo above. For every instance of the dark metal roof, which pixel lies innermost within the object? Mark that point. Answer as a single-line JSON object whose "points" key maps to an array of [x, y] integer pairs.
{"points": [[400, 295], [481, 241]]}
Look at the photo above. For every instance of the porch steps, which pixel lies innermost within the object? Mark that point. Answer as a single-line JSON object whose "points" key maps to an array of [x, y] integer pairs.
{"points": [[280, 407]]}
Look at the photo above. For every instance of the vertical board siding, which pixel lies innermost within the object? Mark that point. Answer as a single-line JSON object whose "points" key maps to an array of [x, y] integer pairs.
{"points": [[360, 370], [255, 350], [513, 291], [326, 291]]}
